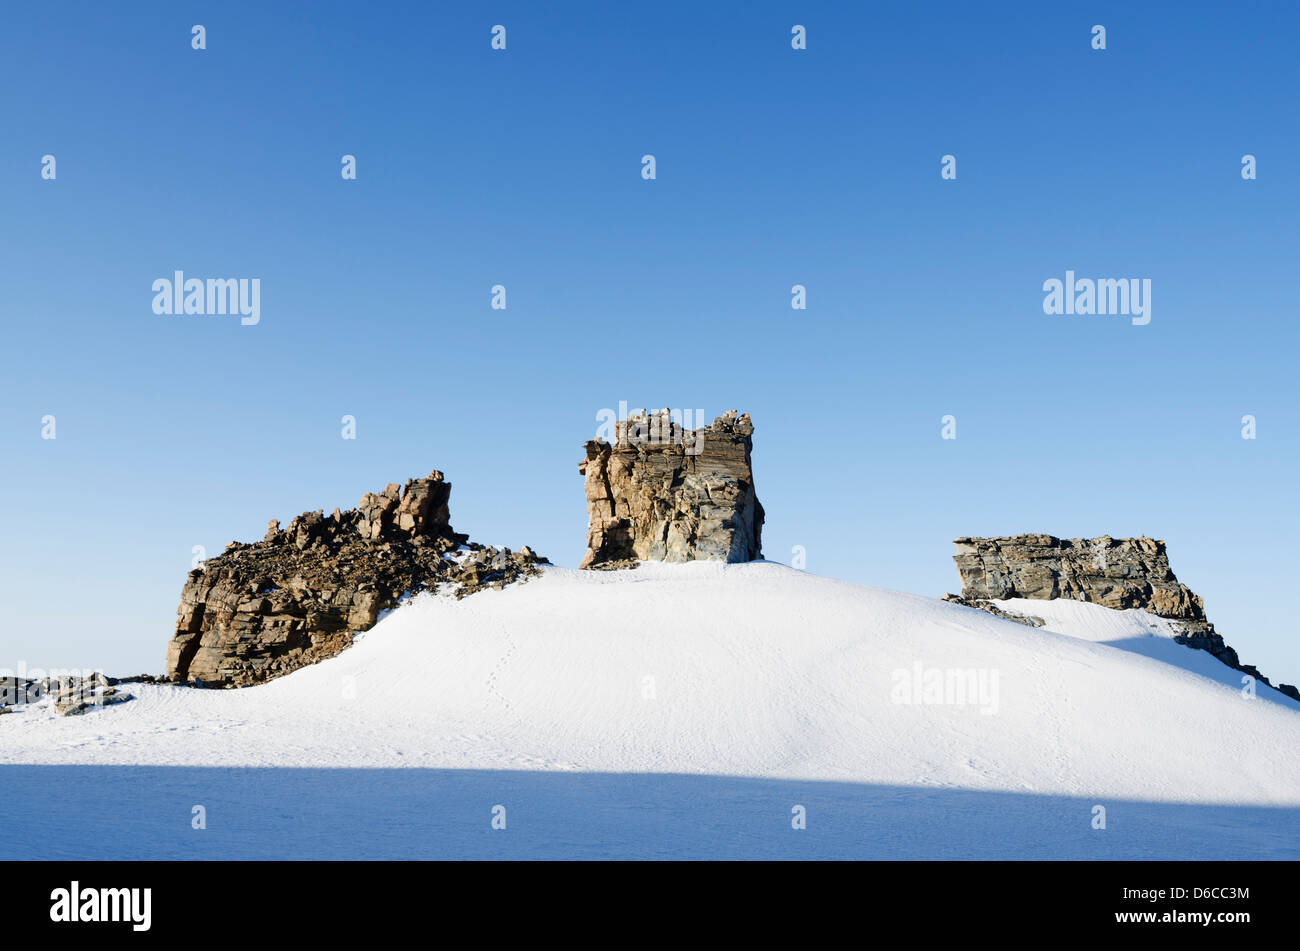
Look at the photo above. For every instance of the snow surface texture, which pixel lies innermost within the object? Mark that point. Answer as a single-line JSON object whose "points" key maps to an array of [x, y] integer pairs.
{"points": [[683, 711]]}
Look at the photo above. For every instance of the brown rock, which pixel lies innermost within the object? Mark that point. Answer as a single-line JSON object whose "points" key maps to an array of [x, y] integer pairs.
{"points": [[661, 493], [1116, 573], [301, 594]]}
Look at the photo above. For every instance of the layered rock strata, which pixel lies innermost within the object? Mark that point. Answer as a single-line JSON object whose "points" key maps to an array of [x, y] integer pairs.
{"points": [[1114, 572], [302, 593], [659, 492]]}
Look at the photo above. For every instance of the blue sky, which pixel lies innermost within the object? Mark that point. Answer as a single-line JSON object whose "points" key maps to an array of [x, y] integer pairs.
{"points": [[775, 167]]}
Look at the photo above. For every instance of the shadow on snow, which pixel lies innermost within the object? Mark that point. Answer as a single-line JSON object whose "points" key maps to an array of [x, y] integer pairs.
{"points": [[144, 812]]}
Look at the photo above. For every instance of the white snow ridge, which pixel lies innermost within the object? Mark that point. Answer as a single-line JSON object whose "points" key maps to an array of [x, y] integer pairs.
{"points": [[683, 711]]}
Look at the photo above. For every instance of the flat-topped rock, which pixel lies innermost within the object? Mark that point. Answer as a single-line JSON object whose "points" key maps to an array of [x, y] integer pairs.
{"points": [[1114, 572], [1118, 573]]}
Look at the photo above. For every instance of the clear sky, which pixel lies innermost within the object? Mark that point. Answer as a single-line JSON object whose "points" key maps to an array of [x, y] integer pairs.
{"points": [[523, 167]]}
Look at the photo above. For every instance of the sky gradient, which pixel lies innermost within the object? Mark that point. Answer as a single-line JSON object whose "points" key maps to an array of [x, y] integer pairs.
{"points": [[775, 167]]}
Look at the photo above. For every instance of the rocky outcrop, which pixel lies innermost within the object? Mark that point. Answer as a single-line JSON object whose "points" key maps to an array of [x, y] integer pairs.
{"points": [[300, 595], [71, 694], [1114, 572], [1029, 620], [663, 493], [74, 700]]}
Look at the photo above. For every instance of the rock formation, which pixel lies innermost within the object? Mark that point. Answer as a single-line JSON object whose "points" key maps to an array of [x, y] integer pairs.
{"points": [[71, 695], [1113, 572], [300, 595], [662, 493], [1029, 620]]}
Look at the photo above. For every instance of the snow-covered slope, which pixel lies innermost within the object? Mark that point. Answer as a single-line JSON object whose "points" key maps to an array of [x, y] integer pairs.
{"points": [[751, 687]]}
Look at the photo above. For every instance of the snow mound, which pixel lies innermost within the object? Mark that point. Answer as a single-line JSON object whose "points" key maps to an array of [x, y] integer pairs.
{"points": [[755, 673]]}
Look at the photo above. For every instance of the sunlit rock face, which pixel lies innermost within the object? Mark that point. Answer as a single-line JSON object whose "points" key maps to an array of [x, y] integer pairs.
{"points": [[663, 493], [300, 595]]}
